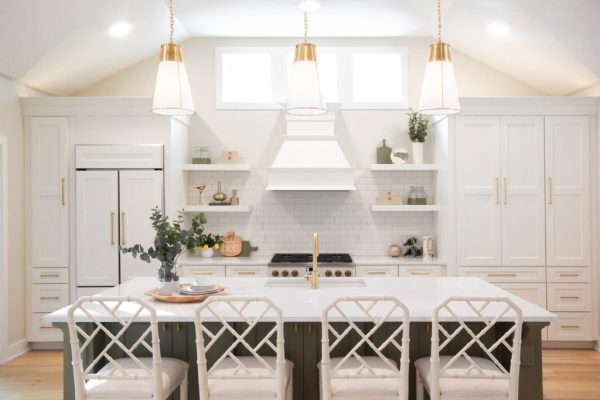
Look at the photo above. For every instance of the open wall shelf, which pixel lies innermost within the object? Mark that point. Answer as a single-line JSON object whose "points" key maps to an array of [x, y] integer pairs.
{"points": [[216, 167], [217, 209]]}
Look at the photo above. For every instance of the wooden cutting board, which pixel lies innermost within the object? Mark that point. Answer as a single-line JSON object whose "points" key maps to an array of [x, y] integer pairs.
{"points": [[232, 245]]}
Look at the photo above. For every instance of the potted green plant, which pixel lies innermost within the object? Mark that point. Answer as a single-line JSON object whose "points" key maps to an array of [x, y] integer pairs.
{"points": [[417, 132], [209, 243], [170, 242]]}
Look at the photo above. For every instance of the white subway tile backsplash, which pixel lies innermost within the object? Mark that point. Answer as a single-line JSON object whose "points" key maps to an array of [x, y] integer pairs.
{"points": [[285, 221]]}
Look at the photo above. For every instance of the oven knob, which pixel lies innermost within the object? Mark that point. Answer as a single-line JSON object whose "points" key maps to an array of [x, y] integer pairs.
{"points": [[328, 273], [284, 273], [275, 273], [338, 273], [294, 273], [348, 273]]}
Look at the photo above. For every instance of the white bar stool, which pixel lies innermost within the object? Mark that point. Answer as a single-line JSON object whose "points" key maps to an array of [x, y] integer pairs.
{"points": [[354, 376], [128, 377], [253, 377], [462, 376]]}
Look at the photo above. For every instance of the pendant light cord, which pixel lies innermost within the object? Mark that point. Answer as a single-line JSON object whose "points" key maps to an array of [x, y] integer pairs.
{"points": [[172, 21], [305, 26], [439, 12]]}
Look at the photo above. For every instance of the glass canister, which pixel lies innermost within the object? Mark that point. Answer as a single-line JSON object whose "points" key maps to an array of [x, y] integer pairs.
{"points": [[417, 196], [200, 155]]}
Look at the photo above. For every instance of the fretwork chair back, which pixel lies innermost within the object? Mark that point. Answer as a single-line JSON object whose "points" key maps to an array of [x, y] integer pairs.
{"points": [[365, 324], [234, 333], [483, 325], [94, 319]]}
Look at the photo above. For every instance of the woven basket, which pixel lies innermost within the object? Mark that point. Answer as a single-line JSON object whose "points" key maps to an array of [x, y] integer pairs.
{"points": [[232, 245]]}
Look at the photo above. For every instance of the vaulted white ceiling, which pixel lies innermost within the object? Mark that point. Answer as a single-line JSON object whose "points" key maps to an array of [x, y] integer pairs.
{"points": [[62, 46]]}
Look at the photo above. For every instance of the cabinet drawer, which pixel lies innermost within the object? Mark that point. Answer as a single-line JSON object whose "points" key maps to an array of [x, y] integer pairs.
{"points": [[201, 271], [532, 292], [569, 274], [569, 297], [571, 326], [505, 274], [379, 270], [419, 270], [50, 275], [246, 271], [43, 331], [46, 298]]}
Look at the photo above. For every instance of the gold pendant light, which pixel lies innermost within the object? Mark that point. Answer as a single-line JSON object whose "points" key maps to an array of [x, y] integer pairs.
{"points": [[172, 95], [304, 95], [439, 95]]}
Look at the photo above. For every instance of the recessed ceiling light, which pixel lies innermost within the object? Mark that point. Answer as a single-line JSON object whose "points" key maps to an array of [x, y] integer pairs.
{"points": [[310, 5], [498, 29], [119, 29]]}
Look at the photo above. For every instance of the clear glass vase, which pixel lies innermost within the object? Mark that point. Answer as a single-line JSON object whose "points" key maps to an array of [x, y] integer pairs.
{"points": [[168, 280]]}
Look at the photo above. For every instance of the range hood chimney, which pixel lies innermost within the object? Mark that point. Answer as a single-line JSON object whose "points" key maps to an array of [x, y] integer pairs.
{"points": [[310, 158]]}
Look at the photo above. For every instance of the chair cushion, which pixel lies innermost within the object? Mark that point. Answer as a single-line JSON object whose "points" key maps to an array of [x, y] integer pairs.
{"points": [[228, 386], [173, 371], [475, 388], [364, 388]]}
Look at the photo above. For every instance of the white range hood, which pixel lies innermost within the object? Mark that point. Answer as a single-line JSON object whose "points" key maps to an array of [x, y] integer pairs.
{"points": [[310, 158]]}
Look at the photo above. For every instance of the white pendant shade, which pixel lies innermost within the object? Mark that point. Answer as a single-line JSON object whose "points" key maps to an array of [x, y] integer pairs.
{"points": [[172, 94], [304, 96], [439, 95]]}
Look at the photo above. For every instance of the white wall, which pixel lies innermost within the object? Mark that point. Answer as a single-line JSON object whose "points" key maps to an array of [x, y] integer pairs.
{"points": [[593, 90], [11, 125]]}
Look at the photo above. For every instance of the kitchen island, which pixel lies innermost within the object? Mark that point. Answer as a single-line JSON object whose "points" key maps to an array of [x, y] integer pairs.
{"points": [[302, 308]]}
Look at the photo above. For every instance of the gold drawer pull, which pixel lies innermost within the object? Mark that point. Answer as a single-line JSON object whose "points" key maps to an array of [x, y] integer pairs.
{"points": [[569, 297], [377, 273], [309, 328], [503, 274], [165, 327], [49, 274], [570, 326], [565, 275], [202, 273], [247, 273], [47, 327], [179, 327], [420, 273], [50, 298], [295, 328]]}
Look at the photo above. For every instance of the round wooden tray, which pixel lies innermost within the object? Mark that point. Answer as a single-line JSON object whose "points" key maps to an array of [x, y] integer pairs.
{"points": [[183, 298]]}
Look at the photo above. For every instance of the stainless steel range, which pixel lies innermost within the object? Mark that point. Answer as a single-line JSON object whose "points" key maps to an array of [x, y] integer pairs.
{"points": [[297, 264]]}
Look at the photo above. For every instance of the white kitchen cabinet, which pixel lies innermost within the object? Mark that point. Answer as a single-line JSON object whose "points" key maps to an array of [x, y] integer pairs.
{"points": [[522, 194], [569, 297], [572, 326], [568, 191], [416, 271], [500, 191], [139, 193], [97, 195], [376, 270], [506, 274], [43, 331], [478, 191], [49, 192], [532, 292], [113, 210]]}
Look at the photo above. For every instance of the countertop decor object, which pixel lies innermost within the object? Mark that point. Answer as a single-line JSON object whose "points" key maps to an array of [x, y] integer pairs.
{"points": [[388, 197], [247, 249], [200, 190], [399, 155], [171, 240], [411, 248], [219, 196], [383, 153], [209, 243], [234, 199], [177, 297], [394, 250], [428, 248], [200, 155], [230, 157], [417, 132], [416, 196], [232, 245]]}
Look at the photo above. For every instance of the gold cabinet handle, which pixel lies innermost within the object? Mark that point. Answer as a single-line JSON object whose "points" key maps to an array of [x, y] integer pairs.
{"points": [[122, 228], [202, 273], [420, 273], [570, 326], [497, 190], [62, 191], [295, 328], [49, 275], [550, 194], [503, 274], [377, 273], [505, 190], [49, 298], [569, 274], [165, 327], [47, 327], [247, 273], [569, 297], [112, 228], [309, 328], [179, 327]]}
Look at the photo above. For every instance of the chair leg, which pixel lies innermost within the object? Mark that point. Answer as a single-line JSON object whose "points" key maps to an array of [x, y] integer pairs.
{"points": [[183, 388], [420, 389]]}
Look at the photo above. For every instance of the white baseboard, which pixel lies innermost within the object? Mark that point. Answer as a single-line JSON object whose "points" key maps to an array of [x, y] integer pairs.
{"points": [[18, 348], [597, 345], [47, 346]]}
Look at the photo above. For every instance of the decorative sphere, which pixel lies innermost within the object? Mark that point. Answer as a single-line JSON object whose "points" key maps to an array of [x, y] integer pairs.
{"points": [[394, 250]]}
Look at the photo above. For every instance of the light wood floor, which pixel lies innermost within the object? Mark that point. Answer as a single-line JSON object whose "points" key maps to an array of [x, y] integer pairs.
{"points": [[568, 375]]}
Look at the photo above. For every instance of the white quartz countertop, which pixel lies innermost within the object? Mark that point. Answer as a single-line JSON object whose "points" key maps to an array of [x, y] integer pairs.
{"points": [[264, 260], [299, 303]]}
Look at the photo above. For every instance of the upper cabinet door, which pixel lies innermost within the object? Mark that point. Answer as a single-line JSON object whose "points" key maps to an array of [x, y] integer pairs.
{"points": [[522, 194], [97, 228], [49, 192], [568, 191], [140, 192], [478, 191]]}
